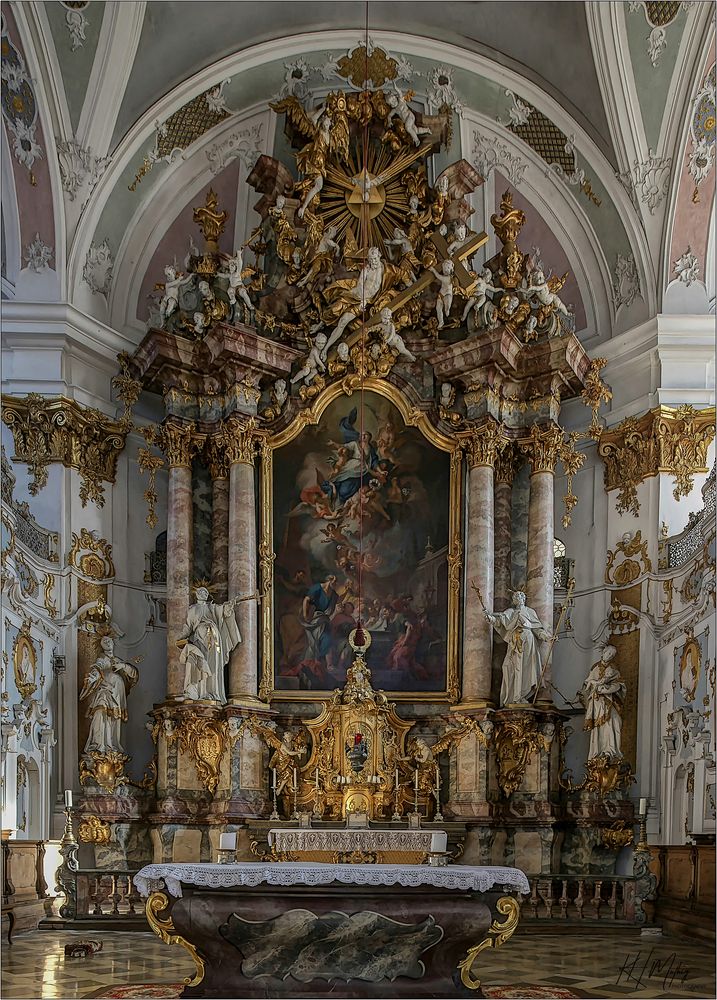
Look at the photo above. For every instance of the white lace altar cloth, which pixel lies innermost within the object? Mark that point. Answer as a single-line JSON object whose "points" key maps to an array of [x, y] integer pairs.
{"points": [[171, 877], [358, 840]]}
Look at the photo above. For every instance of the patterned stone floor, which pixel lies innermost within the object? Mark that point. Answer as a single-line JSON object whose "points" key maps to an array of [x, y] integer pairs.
{"points": [[599, 965]]}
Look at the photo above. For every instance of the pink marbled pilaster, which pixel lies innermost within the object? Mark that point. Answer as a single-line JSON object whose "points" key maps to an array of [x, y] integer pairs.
{"points": [[539, 577], [179, 568], [220, 537], [502, 596], [242, 579], [479, 570]]}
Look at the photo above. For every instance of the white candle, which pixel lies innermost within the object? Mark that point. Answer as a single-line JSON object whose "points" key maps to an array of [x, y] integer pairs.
{"points": [[227, 841], [68, 798], [273, 777], [415, 779], [438, 777], [316, 777], [643, 806], [396, 777], [295, 784]]}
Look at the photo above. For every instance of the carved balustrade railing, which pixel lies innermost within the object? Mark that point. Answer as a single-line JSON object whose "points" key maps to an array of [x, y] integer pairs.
{"points": [[679, 549], [574, 897], [102, 892]]}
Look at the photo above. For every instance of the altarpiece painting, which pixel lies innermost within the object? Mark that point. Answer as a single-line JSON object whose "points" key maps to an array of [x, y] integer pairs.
{"points": [[363, 503]]}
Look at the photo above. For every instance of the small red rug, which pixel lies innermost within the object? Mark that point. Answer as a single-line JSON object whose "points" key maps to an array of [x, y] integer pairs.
{"points": [[170, 991]]}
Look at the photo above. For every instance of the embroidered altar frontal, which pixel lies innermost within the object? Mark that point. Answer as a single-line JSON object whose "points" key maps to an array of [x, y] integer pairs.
{"points": [[308, 930]]}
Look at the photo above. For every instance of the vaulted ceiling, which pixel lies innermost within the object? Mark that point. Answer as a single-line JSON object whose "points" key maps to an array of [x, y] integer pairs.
{"points": [[621, 89]]}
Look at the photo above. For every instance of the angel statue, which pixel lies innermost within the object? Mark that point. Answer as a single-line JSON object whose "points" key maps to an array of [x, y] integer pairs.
{"points": [[390, 336], [209, 635], [603, 694], [287, 751], [106, 686], [399, 108], [545, 291], [235, 276], [444, 299], [172, 284], [323, 257], [479, 295], [521, 628], [327, 130]]}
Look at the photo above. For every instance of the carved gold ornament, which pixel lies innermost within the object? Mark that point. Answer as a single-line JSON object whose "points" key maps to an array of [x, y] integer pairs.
{"points": [[206, 741], [616, 836], [629, 569], [106, 769], [164, 928], [517, 738], [128, 388], [150, 463], [484, 444], [543, 447], [60, 430], [664, 439], [24, 662], [93, 830], [594, 393], [91, 555], [604, 773], [690, 668], [498, 934], [47, 589]]}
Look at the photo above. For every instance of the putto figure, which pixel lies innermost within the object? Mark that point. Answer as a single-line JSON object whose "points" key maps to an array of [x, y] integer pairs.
{"points": [[521, 628], [207, 640], [603, 694], [106, 686]]}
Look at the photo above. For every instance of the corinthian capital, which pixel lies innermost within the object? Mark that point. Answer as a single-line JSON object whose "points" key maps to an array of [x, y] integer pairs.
{"points": [[542, 448], [239, 439], [483, 444], [178, 441]]}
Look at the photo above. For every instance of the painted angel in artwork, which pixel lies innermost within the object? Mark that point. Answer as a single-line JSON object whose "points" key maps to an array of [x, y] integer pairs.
{"points": [[327, 131]]}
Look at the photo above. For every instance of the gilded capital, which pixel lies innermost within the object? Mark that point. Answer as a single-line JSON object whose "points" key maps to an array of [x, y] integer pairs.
{"points": [[483, 444], [178, 441], [664, 439], [239, 439], [507, 464], [47, 430], [543, 447]]}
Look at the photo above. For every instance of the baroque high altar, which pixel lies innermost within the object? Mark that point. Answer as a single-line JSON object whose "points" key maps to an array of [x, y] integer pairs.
{"points": [[356, 389]]}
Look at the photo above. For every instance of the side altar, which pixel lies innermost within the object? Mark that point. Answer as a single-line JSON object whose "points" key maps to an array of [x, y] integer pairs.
{"points": [[306, 930]]}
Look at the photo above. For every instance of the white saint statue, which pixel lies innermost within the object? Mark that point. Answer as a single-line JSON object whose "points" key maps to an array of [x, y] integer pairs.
{"points": [[209, 635], [603, 695], [521, 628], [106, 685]]}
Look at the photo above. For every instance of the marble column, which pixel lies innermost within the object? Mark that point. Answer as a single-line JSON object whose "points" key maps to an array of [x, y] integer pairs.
{"points": [[542, 451], [505, 468], [219, 468], [177, 442], [242, 555], [483, 443]]}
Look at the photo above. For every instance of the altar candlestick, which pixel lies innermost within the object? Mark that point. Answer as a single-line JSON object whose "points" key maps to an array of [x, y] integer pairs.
{"points": [[68, 798]]}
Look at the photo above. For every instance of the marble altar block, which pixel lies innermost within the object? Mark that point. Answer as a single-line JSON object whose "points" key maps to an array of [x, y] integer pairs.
{"points": [[302, 929]]}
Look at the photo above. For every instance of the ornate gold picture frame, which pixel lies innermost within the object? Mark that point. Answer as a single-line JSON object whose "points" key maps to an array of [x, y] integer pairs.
{"points": [[690, 668], [270, 548], [24, 663]]}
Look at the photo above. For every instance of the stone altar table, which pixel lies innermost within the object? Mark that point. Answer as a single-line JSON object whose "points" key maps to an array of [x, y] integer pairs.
{"points": [[302, 929]]}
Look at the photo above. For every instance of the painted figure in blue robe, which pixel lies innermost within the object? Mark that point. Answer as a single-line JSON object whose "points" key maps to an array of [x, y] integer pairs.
{"points": [[317, 608], [359, 456]]}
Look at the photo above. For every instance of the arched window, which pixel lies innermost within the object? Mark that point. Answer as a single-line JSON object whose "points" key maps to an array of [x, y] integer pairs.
{"points": [[562, 566]]}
